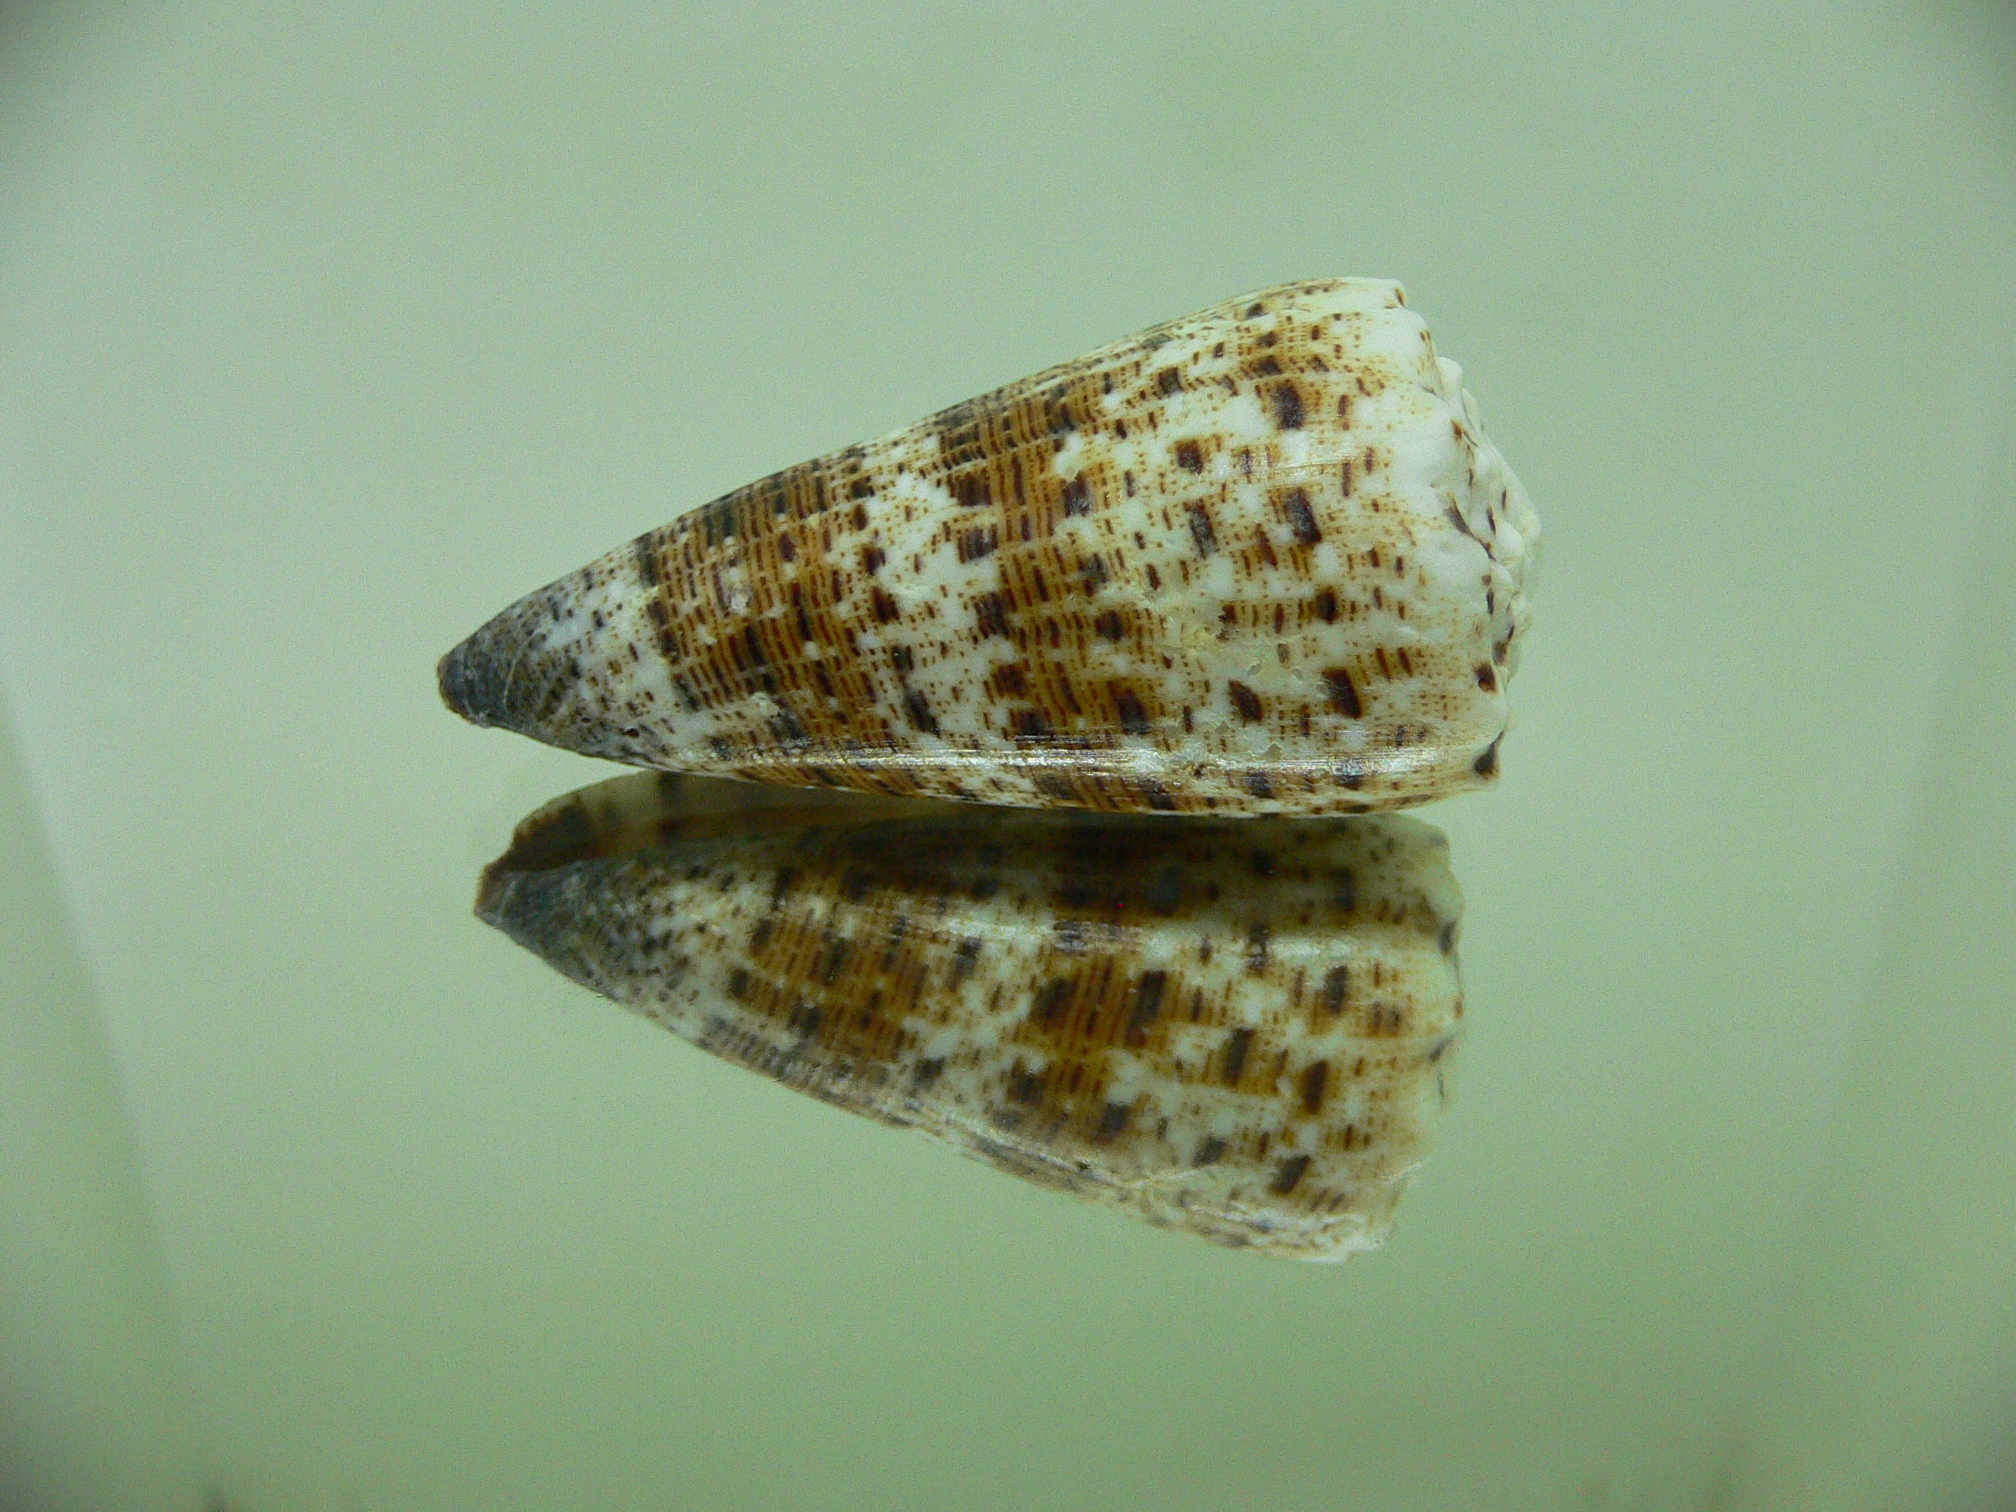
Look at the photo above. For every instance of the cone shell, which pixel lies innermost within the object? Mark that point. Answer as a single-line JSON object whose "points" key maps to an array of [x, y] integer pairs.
{"points": [[1238, 1029], [1261, 560]]}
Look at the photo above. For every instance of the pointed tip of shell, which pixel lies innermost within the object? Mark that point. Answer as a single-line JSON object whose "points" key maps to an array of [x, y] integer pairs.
{"points": [[493, 889], [495, 678], [529, 904], [519, 672], [467, 683]]}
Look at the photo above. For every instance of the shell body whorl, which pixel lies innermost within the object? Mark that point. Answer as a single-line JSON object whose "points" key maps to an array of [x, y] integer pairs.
{"points": [[1261, 560]]}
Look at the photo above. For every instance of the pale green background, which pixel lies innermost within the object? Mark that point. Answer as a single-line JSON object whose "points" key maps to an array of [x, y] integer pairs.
{"points": [[325, 331]]}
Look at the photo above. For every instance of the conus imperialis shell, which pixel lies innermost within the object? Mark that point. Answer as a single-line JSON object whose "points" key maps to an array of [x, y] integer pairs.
{"points": [[1235, 1028], [1260, 560]]}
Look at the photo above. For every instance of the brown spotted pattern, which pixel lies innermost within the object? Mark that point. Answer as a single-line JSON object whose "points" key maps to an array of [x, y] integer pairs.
{"points": [[1239, 1029], [1262, 560]]}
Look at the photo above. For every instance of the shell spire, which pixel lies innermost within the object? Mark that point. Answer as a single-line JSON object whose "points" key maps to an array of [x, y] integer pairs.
{"points": [[1259, 560]]}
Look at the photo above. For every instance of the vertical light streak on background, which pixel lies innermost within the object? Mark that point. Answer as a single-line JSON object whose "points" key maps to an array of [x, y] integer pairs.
{"points": [[1895, 1383], [94, 1411]]}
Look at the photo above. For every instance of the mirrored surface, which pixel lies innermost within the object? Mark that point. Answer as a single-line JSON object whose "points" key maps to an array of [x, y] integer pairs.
{"points": [[1241, 1029], [329, 332]]}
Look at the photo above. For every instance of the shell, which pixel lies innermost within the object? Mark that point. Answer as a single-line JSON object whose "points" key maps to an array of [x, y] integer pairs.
{"points": [[1239, 1029], [1260, 560]]}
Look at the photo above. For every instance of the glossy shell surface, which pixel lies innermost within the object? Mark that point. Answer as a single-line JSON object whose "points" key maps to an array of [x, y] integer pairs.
{"points": [[1261, 560], [1238, 1029]]}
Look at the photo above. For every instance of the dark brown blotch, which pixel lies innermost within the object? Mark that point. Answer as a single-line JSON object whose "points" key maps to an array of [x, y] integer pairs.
{"points": [[991, 610], [717, 520], [1133, 717], [1113, 1121], [1148, 994], [1048, 1004], [1289, 1176], [1030, 725], [838, 950], [1336, 986], [1287, 406], [1238, 1044], [1057, 411], [1302, 518], [1343, 693], [1202, 530], [647, 560], [963, 957], [1315, 1086]]}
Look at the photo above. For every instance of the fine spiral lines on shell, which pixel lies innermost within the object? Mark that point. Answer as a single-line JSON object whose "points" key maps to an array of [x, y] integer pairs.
{"points": [[1261, 560]]}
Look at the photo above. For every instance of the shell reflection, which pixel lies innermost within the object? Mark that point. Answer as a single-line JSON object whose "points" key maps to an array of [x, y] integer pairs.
{"points": [[1259, 560], [1238, 1028]]}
